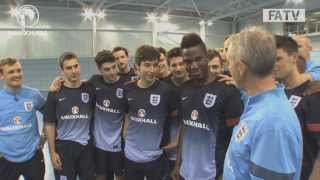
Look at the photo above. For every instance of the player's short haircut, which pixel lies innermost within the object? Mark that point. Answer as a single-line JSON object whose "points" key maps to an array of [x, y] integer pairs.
{"points": [[104, 56], [162, 51], [173, 53], [66, 56], [192, 40], [213, 54], [119, 48], [287, 44], [254, 47], [146, 53], [7, 61]]}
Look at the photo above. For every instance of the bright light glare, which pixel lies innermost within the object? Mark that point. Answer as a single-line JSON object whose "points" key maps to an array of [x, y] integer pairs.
{"points": [[151, 17], [14, 12], [88, 14], [164, 18], [101, 14]]}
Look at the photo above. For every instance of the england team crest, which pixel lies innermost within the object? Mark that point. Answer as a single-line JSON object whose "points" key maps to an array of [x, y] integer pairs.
{"points": [[85, 97], [154, 99], [28, 106], [119, 93], [209, 100]]}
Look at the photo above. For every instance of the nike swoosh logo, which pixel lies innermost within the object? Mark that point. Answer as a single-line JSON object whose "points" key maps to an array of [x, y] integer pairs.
{"points": [[130, 99], [184, 98], [61, 99]]}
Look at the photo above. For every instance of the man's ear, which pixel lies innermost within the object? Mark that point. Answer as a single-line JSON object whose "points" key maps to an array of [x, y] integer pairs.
{"points": [[242, 68], [136, 68]]}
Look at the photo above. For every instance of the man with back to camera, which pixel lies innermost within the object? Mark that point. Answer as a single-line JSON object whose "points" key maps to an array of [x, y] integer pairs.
{"points": [[20, 142], [306, 106], [149, 102], [268, 119], [207, 106], [122, 57], [68, 118]]}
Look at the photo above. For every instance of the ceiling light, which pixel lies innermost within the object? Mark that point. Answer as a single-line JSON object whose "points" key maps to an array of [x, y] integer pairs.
{"points": [[164, 18], [88, 13], [202, 22], [151, 17], [101, 14]]}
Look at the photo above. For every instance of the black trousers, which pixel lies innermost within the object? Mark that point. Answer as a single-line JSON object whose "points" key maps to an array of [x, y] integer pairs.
{"points": [[77, 160], [32, 169], [138, 171]]}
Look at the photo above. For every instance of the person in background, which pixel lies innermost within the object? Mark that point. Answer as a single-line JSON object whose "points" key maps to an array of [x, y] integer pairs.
{"points": [[312, 67]]}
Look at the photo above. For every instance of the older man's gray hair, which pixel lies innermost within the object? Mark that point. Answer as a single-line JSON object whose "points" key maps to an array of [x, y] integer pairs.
{"points": [[256, 48]]}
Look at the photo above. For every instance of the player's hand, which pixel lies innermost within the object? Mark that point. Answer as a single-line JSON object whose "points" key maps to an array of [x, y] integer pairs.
{"points": [[228, 80], [56, 162], [43, 140], [56, 84], [175, 173]]}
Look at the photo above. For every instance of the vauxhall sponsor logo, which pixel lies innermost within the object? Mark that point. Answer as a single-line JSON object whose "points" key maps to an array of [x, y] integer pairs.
{"points": [[75, 114]]}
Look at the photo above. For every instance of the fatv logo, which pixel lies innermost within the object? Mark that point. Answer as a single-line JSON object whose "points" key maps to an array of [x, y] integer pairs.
{"points": [[284, 15]]}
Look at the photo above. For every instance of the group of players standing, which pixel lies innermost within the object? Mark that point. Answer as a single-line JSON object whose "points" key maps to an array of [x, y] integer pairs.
{"points": [[174, 115]]}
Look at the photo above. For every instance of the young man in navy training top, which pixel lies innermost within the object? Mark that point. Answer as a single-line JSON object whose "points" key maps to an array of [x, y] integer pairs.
{"points": [[306, 106], [122, 58], [208, 109], [68, 120], [20, 142], [178, 76], [109, 116], [149, 102]]}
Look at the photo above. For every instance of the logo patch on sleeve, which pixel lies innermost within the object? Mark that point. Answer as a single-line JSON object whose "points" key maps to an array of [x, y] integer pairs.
{"points": [[241, 133], [28, 106], [209, 100], [294, 100], [154, 99], [85, 97]]}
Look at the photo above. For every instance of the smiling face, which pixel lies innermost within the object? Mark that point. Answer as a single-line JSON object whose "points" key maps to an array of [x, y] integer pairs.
{"points": [[12, 75], [147, 70], [196, 61], [122, 60], [109, 71], [284, 65], [178, 68]]}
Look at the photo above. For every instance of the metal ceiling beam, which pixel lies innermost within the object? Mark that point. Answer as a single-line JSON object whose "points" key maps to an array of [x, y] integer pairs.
{"points": [[80, 2], [165, 2], [155, 6], [223, 7], [252, 8], [196, 8], [117, 3]]}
